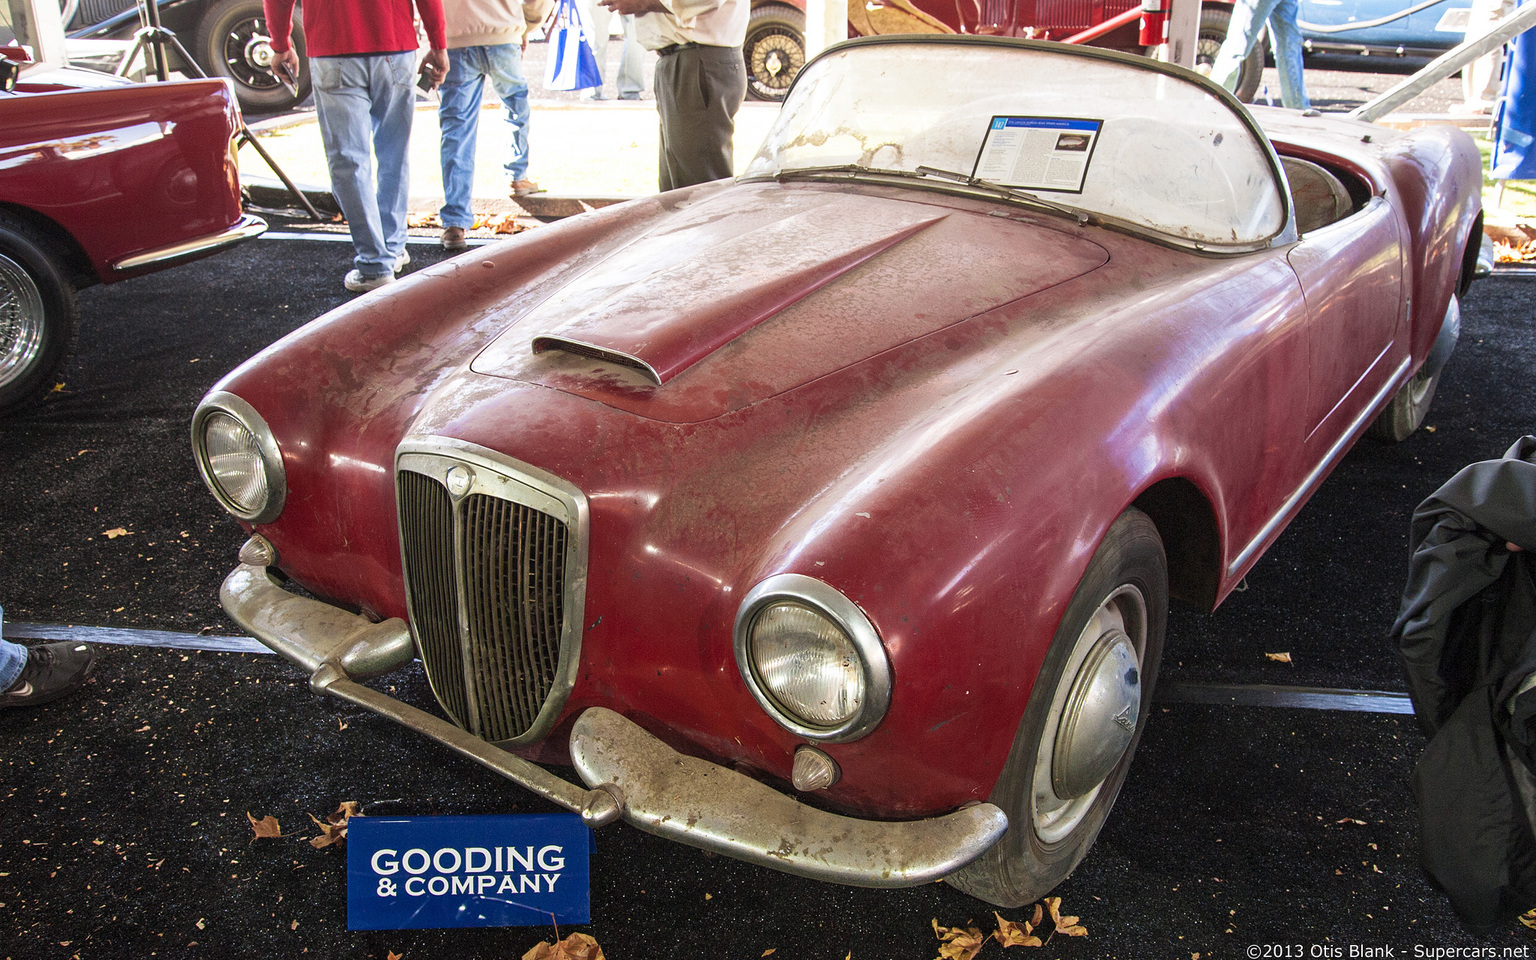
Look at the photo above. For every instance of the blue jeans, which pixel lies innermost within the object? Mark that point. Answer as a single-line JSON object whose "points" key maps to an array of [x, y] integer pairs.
{"points": [[364, 105], [1248, 19], [458, 114], [13, 656]]}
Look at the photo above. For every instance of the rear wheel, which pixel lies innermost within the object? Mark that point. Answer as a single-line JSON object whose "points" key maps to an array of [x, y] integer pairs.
{"points": [[1214, 22], [1084, 719], [1410, 405], [233, 42], [774, 50], [39, 315]]}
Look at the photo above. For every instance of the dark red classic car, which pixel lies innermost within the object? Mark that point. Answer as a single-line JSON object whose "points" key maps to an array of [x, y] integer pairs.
{"points": [[100, 180], [828, 517]]}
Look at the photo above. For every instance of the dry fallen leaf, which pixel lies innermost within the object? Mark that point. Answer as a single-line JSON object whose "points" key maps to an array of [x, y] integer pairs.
{"points": [[265, 827], [1011, 934], [395, 956], [1529, 919], [334, 828], [958, 943], [1279, 657], [577, 946], [114, 533], [506, 224], [770, 951], [1358, 823], [1066, 926], [1505, 252]]}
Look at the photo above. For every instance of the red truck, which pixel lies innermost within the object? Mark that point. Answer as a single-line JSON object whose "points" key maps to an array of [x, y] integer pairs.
{"points": [[775, 44]]}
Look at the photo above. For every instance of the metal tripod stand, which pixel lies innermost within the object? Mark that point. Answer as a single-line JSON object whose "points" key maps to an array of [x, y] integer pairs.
{"points": [[151, 39]]}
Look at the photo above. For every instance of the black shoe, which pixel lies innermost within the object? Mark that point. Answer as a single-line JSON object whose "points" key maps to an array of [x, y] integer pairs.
{"points": [[53, 670]]}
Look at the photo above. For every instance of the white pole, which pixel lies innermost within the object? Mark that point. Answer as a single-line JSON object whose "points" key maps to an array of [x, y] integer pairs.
{"points": [[1183, 32], [826, 22]]}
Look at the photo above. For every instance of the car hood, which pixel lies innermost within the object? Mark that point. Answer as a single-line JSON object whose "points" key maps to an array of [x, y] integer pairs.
{"points": [[761, 288]]}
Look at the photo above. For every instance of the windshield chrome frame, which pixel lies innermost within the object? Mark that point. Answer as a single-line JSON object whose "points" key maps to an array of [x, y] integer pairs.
{"points": [[1286, 233]]}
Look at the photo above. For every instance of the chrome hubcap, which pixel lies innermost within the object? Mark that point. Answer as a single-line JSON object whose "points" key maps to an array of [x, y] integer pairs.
{"points": [[1093, 715], [21, 321]]}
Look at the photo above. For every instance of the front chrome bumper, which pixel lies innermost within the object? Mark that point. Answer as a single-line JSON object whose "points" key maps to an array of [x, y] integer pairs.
{"points": [[628, 772]]}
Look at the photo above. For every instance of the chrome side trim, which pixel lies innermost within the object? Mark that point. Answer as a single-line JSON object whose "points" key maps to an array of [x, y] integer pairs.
{"points": [[1312, 479], [810, 592], [241, 230], [546, 342], [502, 477], [704, 805]]}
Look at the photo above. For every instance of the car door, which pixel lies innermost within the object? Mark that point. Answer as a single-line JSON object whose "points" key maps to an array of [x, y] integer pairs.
{"points": [[1351, 274]]}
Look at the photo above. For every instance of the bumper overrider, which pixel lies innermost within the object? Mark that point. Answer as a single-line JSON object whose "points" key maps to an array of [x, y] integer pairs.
{"points": [[628, 772]]}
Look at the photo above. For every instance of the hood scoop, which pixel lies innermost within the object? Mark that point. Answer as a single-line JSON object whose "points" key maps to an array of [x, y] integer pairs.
{"points": [[670, 299]]}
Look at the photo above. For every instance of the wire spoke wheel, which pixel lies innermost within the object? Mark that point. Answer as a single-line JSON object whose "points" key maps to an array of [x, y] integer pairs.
{"points": [[22, 321]]}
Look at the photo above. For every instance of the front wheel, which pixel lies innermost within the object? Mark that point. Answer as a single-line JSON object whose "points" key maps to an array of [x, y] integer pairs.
{"points": [[774, 50], [1214, 22], [233, 42], [1084, 719], [39, 315]]}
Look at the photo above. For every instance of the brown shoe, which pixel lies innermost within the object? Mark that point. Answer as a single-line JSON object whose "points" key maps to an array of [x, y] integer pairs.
{"points": [[523, 188], [453, 238]]}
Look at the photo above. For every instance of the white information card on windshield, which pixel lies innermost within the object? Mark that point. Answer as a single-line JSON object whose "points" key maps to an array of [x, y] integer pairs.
{"points": [[1038, 153]]}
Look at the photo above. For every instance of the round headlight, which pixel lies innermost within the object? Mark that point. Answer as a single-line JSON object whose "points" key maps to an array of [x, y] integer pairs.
{"points": [[807, 664], [234, 461], [238, 457], [812, 659]]}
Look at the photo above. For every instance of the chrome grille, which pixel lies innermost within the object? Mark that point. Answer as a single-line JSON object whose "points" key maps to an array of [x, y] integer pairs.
{"points": [[513, 557], [489, 582]]}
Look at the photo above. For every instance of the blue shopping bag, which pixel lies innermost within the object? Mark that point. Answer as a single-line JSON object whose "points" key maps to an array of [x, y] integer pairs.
{"points": [[571, 65]]}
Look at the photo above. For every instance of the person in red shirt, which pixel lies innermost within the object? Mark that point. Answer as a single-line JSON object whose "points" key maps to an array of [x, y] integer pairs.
{"points": [[362, 56]]}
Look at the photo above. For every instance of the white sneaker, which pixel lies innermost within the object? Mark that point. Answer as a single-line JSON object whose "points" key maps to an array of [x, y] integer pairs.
{"points": [[404, 259], [357, 283]]}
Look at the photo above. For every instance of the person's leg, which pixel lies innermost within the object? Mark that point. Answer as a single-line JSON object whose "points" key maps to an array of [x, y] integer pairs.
{"points": [[631, 78], [504, 65], [704, 88], [394, 104], [13, 656], [1243, 31], [599, 21], [1287, 39], [663, 86], [458, 116], [342, 107]]}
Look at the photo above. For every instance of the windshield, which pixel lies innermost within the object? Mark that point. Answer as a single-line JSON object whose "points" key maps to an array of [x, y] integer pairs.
{"points": [[1101, 134]]}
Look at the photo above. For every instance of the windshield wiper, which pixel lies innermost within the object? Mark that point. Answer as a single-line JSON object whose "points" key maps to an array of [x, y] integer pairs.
{"points": [[849, 168], [926, 172], [1014, 193]]}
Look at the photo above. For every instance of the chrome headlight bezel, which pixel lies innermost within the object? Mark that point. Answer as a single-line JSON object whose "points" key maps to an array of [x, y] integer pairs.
{"points": [[843, 613], [271, 457]]}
